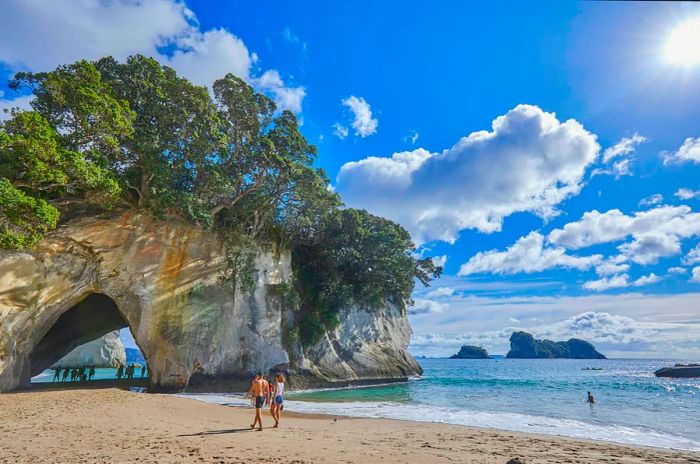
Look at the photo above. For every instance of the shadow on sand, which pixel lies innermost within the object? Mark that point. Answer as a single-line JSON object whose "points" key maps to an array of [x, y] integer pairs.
{"points": [[215, 432]]}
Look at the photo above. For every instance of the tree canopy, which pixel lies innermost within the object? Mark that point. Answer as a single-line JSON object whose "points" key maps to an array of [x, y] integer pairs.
{"points": [[135, 134]]}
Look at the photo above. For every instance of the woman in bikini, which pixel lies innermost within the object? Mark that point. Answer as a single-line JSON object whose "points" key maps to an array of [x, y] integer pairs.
{"points": [[277, 399]]}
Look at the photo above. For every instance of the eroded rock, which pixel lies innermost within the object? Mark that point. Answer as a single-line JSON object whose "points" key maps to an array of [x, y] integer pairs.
{"points": [[164, 280], [106, 351]]}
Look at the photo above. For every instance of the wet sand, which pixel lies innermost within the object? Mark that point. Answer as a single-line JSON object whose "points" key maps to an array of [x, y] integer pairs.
{"points": [[111, 425]]}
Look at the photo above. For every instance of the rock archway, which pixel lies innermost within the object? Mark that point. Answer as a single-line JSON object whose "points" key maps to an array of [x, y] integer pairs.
{"points": [[163, 278], [91, 318]]}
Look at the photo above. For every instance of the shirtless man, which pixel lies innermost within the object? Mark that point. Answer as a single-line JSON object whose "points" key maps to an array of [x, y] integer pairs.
{"points": [[260, 392]]}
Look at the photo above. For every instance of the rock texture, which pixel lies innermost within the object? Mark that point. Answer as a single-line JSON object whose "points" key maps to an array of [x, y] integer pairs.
{"points": [[471, 352], [680, 371], [163, 279], [106, 351], [524, 345]]}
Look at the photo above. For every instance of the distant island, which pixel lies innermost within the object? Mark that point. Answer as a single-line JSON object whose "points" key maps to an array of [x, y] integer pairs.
{"points": [[471, 352], [524, 345]]}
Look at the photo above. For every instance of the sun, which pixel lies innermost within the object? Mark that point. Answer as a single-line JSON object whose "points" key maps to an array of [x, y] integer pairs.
{"points": [[683, 44]]}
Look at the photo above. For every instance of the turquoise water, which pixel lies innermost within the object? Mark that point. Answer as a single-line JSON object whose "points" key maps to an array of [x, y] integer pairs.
{"points": [[540, 396], [100, 374]]}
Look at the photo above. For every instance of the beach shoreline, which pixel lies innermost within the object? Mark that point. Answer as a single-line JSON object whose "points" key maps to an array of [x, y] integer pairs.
{"points": [[111, 425]]}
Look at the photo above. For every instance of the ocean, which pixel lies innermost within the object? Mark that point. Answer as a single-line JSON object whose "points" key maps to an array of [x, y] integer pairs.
{"points": [[527, 395]]}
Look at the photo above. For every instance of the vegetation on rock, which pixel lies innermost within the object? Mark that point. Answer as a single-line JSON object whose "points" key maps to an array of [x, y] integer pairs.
{"points": [[471, 352], [524, 345], [136, 134]]}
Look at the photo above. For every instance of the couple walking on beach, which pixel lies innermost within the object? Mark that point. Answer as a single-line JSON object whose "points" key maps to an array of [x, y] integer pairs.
{"points": [[264, 394]]}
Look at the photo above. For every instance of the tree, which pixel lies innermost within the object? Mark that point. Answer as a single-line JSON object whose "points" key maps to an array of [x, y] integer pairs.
{"points": [[34, 158], [175, 133], [355, 258], [135, 132], [23, 219], [80, 105]]}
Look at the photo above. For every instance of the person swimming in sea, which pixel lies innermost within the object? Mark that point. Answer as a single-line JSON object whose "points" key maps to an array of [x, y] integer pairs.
{"points": [[590, 399], [259, 391]]}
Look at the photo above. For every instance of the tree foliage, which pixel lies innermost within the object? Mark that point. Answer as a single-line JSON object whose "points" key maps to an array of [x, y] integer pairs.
{"points": [[136, 133], [355, 258]]}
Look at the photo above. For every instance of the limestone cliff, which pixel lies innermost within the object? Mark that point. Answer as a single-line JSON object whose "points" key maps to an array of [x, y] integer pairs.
{"points": [[106, 351], [163, 279]]}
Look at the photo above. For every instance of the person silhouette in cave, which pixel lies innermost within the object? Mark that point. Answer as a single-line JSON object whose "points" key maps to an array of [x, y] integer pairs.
{"points": [[91, 374], [120, 371], [65, 375], [57, 374]]}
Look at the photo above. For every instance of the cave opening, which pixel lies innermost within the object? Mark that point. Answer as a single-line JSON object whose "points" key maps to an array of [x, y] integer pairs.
{"points": [[89, 344]]}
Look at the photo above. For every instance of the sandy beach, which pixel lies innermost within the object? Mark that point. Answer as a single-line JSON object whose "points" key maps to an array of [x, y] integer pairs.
{"points": [[111, 425]]}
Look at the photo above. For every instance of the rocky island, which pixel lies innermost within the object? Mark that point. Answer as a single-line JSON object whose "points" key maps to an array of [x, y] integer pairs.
{"points": [[470, 352], [524, 345], [130, 197], [679, 371]]}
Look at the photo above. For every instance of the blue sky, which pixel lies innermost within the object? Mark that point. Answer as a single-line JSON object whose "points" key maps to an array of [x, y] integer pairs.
{"points": [[575, 214]]}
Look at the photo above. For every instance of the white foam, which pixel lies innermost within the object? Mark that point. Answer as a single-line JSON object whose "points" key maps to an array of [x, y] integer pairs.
{"points": [[504, 421]]}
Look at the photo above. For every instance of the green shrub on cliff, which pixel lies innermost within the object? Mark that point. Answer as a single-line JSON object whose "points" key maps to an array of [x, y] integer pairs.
{"points": [[23, 219], [137, 134], [355, 258]]}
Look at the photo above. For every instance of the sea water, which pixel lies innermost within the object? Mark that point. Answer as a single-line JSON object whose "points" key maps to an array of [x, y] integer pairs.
{"points": [[101, 373], [527, 395]]}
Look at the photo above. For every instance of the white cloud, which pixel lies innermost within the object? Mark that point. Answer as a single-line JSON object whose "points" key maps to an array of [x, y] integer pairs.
{"points": [[687, 194], [529, 162], [606, 283], [40, 35], [689, 151], [204, 57], [363, 122], [37, 35], [695, 275], [527, 254], [677, 270], [423, 306], [646, 280], [601, 327], [621, 154], [693, 256], [440, 292], [340, 131], [625, 146], [610, 268], [652, 200], [440, 260], [649, 247], [413, 137], [286, 98], [595, 227]]}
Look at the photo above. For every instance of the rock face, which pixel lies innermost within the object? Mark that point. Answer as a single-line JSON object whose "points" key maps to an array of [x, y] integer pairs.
{"points": [[679, 371], [524, 345], [106, 351], [471, 352], [163, 279]]}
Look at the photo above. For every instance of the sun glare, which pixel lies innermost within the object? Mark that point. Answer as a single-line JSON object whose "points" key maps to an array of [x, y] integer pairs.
{"points": [[683, 44]]}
